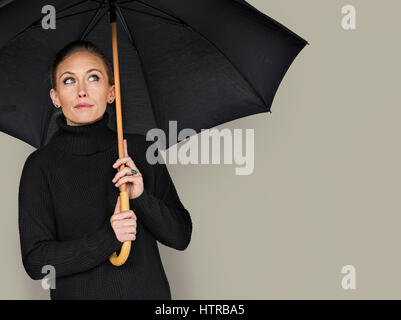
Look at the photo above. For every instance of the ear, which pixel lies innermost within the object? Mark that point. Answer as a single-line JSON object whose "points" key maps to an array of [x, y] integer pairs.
{"points": [[54, 97], [112, 94]]}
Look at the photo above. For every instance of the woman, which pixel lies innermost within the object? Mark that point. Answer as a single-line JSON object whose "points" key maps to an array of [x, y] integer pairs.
{"points": [[69, 209]]}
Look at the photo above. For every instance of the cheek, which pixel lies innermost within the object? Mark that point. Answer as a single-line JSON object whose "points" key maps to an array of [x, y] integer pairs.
{"points": [[66, 97], [98, 93]]}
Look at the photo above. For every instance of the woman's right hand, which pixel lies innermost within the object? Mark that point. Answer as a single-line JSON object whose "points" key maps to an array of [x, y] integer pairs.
{"points": [[123, 223]]}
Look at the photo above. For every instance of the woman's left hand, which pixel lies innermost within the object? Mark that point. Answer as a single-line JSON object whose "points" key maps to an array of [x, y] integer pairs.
{"points": [[133, 181]]}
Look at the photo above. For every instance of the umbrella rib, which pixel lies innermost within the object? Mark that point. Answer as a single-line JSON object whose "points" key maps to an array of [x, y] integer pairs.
{"points": [[117, 2], [162, 11], [88, 27], [100, 18], [141, 64], [238, 70], [39, 23], [73, 5], [176, 22], [234, 66], [183, 22], [39, 20], [254, 10], [122, 2], [125, 27]]}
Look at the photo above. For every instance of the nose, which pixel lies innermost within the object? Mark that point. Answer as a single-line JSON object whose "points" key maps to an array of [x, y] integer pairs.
{"points": [[82, 90]]}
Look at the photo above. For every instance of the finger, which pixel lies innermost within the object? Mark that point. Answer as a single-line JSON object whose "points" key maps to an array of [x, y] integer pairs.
{"points": [[124, 172], [124, 223], [127, 161], [135, 180], [125, 231], [124, 215], [128, 222], [131, 237], [117, 207], [128, 237]]}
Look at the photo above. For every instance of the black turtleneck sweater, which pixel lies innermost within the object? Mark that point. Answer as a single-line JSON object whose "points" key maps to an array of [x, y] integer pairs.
{"points": [[66, 199]]}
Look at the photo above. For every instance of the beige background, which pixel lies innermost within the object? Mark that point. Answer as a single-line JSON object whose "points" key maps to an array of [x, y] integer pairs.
{"points": [[326, 184]]}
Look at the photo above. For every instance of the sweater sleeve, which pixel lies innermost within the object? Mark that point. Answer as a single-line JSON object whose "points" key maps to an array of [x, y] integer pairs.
{"points": [[38, 233], [162, 211]]}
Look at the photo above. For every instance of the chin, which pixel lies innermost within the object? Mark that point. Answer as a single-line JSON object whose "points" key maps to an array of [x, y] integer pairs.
{"points": [[86, 115]]}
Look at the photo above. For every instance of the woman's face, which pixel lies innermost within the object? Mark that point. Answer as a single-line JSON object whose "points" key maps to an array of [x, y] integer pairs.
{"points": [[82, 79]]}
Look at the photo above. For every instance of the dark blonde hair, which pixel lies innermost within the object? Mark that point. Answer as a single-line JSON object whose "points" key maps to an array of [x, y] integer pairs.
{"points": [[77, 46]]}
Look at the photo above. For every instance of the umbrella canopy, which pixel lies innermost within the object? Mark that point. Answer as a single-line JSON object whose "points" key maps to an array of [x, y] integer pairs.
{"points": [[199, 62]]}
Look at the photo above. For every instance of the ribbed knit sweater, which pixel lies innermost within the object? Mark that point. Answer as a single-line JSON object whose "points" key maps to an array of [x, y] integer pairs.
{"points": [[66, 199]]}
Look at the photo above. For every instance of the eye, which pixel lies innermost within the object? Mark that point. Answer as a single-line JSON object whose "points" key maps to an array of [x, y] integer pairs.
{"points": [[94, 75], [64, 81]]}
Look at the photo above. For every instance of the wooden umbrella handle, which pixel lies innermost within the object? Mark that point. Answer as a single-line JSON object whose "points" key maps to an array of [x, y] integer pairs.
{"points": [[120, 259]]}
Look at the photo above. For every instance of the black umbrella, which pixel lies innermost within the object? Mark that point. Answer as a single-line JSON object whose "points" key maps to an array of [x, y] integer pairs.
{"points": [[198, 62]]}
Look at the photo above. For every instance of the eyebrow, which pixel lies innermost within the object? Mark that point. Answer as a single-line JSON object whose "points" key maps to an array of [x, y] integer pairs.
{"points": [[90, 70]]}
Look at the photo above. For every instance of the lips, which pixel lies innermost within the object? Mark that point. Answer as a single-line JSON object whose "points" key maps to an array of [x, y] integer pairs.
{"points": [[83, 105]]}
